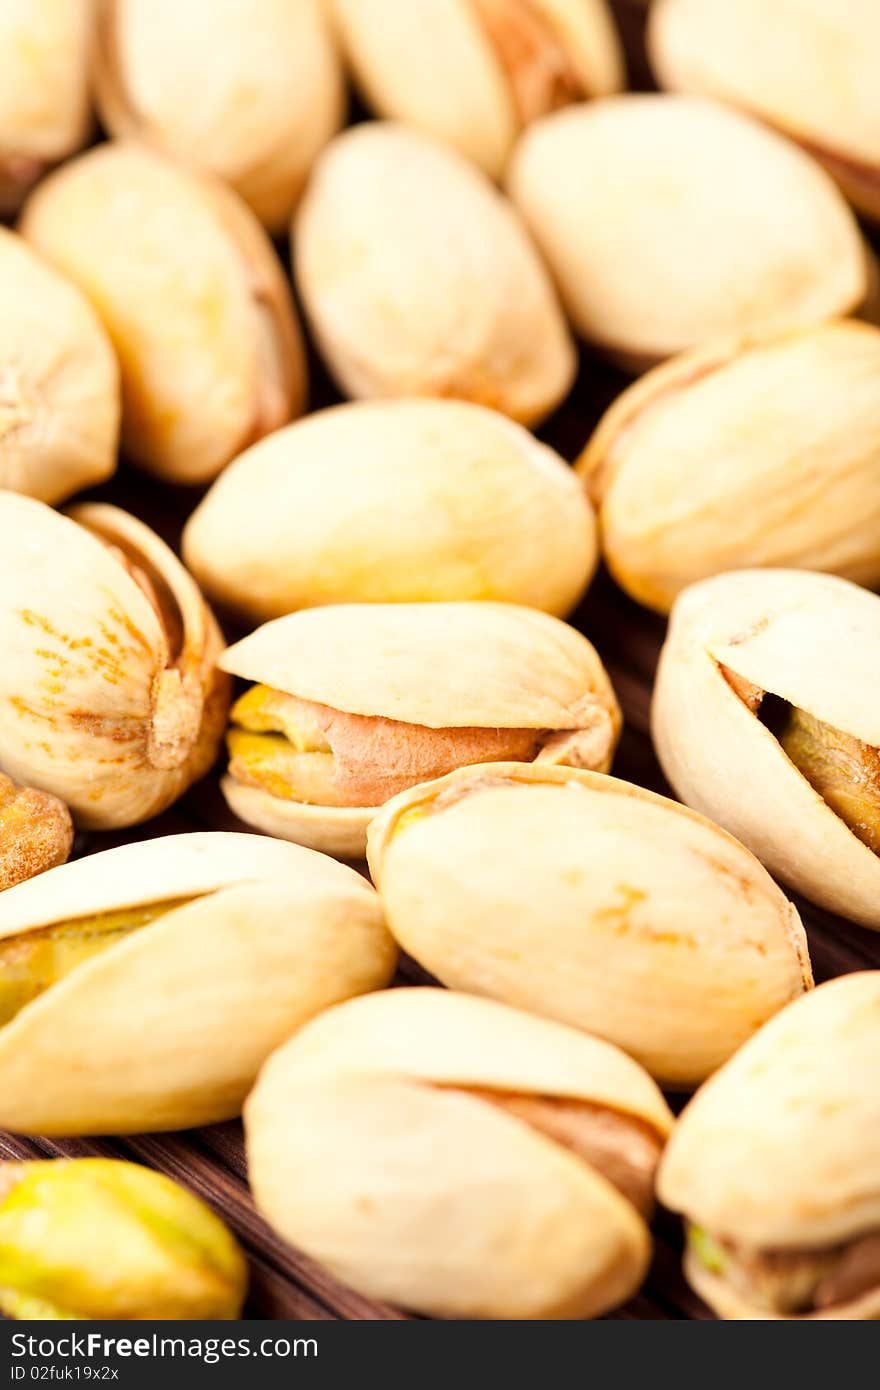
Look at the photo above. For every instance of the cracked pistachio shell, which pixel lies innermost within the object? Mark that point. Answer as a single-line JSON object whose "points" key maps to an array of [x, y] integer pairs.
{"points": [[420, 280], [781, 1149], [597, 903], [394, 501], [808, 67], [813, 640], [45, 112], [436, 665], [248, 89], [193, 296], [366, 1151], [743, 454], [59, 382], [641, 287], [167, 1027], [109, 696], [36, 832], [475, 72]]}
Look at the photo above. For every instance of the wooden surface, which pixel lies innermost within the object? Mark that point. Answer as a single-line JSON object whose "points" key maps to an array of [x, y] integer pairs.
{"points": [[284, 1284]]}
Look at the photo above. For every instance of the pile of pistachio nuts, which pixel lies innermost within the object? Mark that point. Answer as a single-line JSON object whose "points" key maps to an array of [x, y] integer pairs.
{"points": [[364, 623]]}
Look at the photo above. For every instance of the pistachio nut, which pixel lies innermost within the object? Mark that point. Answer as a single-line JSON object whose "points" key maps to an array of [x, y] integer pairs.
{"points": [[459, 1157], [775, 1165], [356, 702], [594, 902], [266, 80], [36, 832], [743, 232], [45, 112], [808, 67], [59, 382], [763, 718], [475, 72], [193, 296], [743, 454], [420, 280], [143, 987], [109, 696], [394, 501], [91, 1238]]}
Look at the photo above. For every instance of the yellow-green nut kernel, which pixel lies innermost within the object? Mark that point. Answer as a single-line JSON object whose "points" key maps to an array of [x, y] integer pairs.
{"points": [[594, 902], [394, 502], [96, 1238]]}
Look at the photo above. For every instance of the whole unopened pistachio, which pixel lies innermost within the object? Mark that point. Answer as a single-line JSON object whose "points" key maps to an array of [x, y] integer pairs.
{"points": [[36, 832], [143, 987], [59, 382], [394, 501], [45, 113], [745, 453], [475, 72], [193, 296], [775, 1165], [764, 718], [249, 89], [808, 67], [354, 703], [92, 1238], [109, 695], [460, 1157], [593, 902], [420, 280], [669, 221]]}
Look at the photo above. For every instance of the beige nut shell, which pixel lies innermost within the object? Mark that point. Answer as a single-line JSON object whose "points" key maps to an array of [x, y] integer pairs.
{"points": [[432, 1198], [168, 1027]]}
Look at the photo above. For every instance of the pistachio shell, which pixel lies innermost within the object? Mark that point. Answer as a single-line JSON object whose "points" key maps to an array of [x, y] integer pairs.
{"points": [[366, 1150], [36, 832], [394, 501], [167, 1027], [743, 454], [419, 278], [45, 114], [193, 296], [813, 640], [474, 72], [807, 67], [583, 177], [109, 700], [268, 85], [781, 1149], [594, 902]]}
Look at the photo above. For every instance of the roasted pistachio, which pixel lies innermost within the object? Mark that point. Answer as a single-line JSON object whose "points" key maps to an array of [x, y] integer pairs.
{"points": [[356, 702], [96, 1238], [763, 718], [745, 235], [36, 833], [460, 1157], [193, 296], [775, 1165], [420, 280], [143, 987]]}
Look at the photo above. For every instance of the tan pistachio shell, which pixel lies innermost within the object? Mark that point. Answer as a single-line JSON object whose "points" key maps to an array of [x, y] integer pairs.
{"points": [[781, 1149], [808, 67], [420, 280], [168, 1027], [814, 641], [394, 501], [101, 702], [364, 1152], [193, 296], [639, 204], [248, 89], [36, 832], [45, 111], [475, 72], [594, 902], [743, 454]]}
